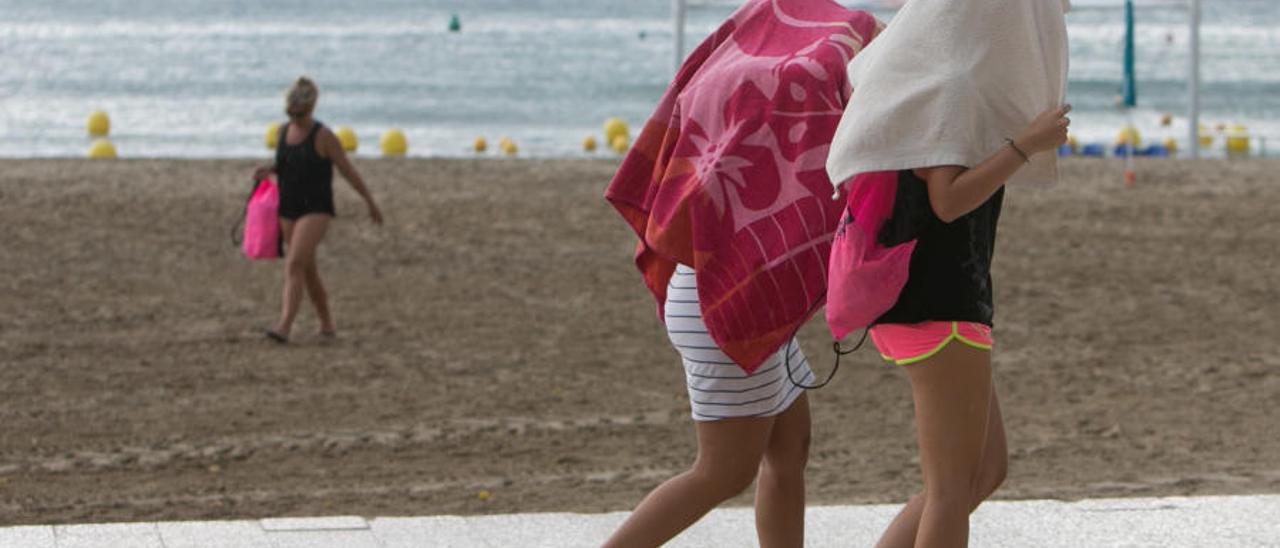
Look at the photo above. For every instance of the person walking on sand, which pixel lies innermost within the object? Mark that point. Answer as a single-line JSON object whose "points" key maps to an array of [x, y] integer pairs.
{"points": [[306, 153], [957, 98], [726, 190]]}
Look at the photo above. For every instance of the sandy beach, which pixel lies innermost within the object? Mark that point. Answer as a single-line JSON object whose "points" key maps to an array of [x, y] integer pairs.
{"points": [[495, 337]]}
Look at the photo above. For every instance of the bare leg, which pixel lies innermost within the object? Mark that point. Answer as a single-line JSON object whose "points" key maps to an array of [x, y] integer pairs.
{"points": [[320, 299], [780, 485], [995, 464], [952, 393], [729, 453], [304, 236], [286, 233]]}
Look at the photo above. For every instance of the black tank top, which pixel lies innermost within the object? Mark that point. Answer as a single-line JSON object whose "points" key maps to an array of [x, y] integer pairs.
{"points": [[950, 272], [306, 178]]}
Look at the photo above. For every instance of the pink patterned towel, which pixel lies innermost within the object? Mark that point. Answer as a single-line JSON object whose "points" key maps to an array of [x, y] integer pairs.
{"points": [[729, 176]]}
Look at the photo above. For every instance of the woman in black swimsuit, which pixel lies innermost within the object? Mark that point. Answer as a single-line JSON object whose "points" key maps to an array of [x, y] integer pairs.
{"points": [[306, 153]]}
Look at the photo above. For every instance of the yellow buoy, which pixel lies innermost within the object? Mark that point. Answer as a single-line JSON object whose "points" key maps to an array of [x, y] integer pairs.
{"points": [[480, 144], [393, 143], [347, 137], [589, 144], [509, 147], [620, 144], [1206, 138], [1129, 135], [99, 124], [272, 135], [615, 127], [1238, 139], [1171, 145], [102, 149]]}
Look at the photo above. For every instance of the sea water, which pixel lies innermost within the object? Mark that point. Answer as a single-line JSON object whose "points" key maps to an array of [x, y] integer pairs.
{"points": [[203, 78]]}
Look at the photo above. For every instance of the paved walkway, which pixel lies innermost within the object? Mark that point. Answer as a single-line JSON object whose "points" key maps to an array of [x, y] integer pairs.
{"points": [[1244, 521]]}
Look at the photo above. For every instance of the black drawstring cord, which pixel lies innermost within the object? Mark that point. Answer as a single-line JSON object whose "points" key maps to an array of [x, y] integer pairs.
{"points": [[836, 345]]}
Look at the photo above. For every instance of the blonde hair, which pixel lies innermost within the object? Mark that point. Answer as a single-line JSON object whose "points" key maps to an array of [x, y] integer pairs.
{"points": [[302, 95]]}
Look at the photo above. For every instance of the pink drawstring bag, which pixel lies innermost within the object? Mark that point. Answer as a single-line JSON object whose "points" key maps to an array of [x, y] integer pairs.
{"points": [[261, 222], [864, 277]]}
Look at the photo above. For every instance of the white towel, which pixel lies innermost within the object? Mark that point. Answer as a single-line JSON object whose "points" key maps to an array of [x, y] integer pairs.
{"points": [[948, 81]]}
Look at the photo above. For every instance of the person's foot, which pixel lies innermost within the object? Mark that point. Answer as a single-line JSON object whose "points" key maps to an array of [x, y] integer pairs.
{"points": [[275, 336], [328, 334]]}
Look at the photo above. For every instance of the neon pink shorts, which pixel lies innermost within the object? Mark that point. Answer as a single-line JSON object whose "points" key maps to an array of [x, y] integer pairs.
{"points": [[905, 344]]}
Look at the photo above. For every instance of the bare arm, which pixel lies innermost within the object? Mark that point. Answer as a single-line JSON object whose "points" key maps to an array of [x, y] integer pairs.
{"points": [[955, 191], [331, 148], [264, 170]]}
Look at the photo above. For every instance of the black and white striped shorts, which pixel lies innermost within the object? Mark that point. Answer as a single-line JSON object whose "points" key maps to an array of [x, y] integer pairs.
{"points": [[718, 387]]}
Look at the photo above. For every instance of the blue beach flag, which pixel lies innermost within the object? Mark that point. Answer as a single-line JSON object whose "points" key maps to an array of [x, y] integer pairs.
{"points": [[1130, 79]]}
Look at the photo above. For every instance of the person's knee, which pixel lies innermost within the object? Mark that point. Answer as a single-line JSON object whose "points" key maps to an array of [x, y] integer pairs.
{"points": [[994, 471], [298, 265], [312, 275], [787, 461], [957, 495], [726, 480]]}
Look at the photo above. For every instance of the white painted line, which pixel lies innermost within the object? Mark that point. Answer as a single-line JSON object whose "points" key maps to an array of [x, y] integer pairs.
{"points": [[324, 539], [846, 526], [132, 535], [431, 532], [336, 523], [216, 534], [27, 537], [547, 530], [1241, 521]]}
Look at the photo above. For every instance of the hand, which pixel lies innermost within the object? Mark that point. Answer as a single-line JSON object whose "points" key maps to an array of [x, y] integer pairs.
{"points": [[375, 214], [1047, 132], [262, 173]]}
